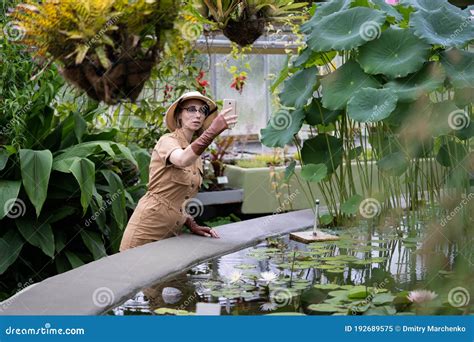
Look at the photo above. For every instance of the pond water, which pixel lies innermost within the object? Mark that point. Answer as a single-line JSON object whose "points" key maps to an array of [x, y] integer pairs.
{"points": [[367, 271]]}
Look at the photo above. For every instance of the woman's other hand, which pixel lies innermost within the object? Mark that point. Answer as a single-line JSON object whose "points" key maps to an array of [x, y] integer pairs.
{"points": [[204, 231]]}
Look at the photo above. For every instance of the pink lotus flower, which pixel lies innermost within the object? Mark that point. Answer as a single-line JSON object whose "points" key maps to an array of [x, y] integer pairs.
{"points": [[421, 296], [392, 2]]}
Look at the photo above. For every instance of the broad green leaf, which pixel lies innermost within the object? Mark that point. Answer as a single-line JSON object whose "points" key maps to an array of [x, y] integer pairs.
{"points": [[394, 164], [84, 171], [94, 243], [123, 150], [37, 234], [371, 105], [73, 259], [35, 174], [451, 154], [426, 80], [10, 247], [397, 53], [80, 126], [430, 5], [323, 10], [116, 197], [281, 128], [9, 191], [328, 308], [459, 66], [321, 149], [4, 155], [316, 114], [346, 30], [104, 61], [85, 149], [388, 9], [314, 172], [299, 88], [143, 159], [339, 86], [443, 26], [382, 298], [326, 219], [351, 206]]}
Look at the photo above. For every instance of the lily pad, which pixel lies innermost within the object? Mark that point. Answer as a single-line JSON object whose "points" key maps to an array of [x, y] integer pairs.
{"points": [[346, 29], [169, 311], [329, 287], [340, 86], [325, 308], [426, 80], [397, 53], [382, 298]]}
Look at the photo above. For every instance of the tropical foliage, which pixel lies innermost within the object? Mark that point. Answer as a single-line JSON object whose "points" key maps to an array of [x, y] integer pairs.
{"points": [[386, 80]]}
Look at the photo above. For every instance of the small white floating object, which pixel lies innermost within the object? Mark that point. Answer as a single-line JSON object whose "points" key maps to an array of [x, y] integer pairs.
{"points": [[208, 309]]}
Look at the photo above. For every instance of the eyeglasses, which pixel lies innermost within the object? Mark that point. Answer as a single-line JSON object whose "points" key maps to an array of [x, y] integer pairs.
{"points": [[193, 109]]}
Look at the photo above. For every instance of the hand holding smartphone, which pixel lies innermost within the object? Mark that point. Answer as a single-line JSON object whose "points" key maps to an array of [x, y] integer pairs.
{"points": [[231, 103]]}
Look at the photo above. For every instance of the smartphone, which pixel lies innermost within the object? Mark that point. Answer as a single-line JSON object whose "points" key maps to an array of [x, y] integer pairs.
{"points": [[231, 103]]}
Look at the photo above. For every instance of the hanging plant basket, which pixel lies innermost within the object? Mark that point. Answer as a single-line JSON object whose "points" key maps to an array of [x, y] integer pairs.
{"points": [[124, 79], [107, 49], [246, 31]]}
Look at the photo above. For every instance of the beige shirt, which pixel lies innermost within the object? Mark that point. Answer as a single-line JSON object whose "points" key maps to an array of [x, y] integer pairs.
{"points": [[161, 212]]}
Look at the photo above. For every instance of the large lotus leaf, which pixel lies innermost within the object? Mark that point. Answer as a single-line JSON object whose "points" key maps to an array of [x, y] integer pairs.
{"points": [[443, 26], [371, 105], [459, 66], [429, 5], [394, 164], [339, 86], [413, 86], [451, 154], [463, 97], [321, 149], [282, 127], [316, 114], [314, 172], [397, 53], [309, 58], [299, 88], [346, 29], [323, 10], [388, 9], [406, 112]]}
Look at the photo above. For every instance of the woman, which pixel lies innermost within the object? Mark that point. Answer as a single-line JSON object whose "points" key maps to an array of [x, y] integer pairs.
{"points": [[176, 171]]}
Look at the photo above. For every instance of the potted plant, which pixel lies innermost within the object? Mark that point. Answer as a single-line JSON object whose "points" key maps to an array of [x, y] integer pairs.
{"points": [[244, 21]]}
